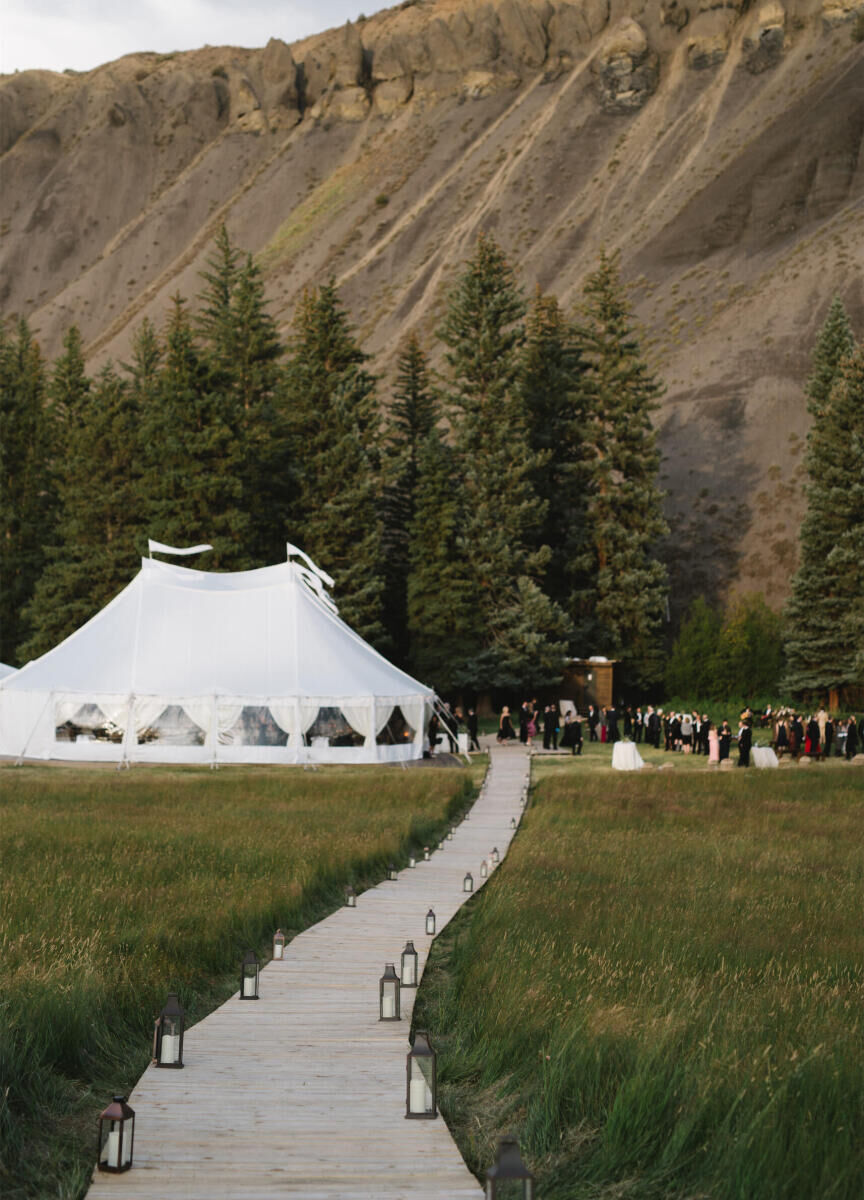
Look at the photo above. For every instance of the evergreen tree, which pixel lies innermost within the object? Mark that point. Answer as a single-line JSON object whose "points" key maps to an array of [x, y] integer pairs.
{"points": [[70, 386], [98, 534], [27, 502], [412, 417], [146, 364], [440, 584], [215, 318], [690, 668], [552, 387], [517, 634], [816, 648], [194, 455], [748, 657], [622, 613], [331, 408]]}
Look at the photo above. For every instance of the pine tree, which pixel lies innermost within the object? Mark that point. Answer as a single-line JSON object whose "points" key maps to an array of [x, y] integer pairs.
{"points": [[27, 500], [331, 408], [690, 670], [98, 534], [215, 317], [816, 648], [552, 388], [193, 454], [516, 632], [623, 612], [440, 587], [412, 417], [70, 386]]}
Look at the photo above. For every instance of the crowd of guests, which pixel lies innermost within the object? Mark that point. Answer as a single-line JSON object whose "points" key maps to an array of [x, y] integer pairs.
{"points": [[818, 736]]}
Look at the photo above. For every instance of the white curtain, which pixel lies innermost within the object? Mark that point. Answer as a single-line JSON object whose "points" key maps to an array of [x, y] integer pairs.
{"points": [[116, 710], [294, 717], [412, 711], [360, 716], [65, 710], [200, 710], [227, 716], [148, 709]]}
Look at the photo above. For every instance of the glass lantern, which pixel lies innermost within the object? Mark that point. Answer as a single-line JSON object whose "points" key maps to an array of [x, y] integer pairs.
{"points": [[430, 923], [422, 1098], [278, 945], [509, 1178], [392, 873], [512, 822], [249, 971], [484, 869], [116, 1136], [468, 883], [426, 854], [389, 995], [412, 861], [495, 856], [350, 897], [409, 966], [450, 833], [168, 1034]]}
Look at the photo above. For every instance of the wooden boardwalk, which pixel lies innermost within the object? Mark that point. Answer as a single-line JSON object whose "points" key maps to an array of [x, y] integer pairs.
{"points": [[302, 1093]]}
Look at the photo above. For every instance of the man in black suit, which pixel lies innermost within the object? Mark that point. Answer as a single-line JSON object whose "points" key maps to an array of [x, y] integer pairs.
{"points": [[593, 718], [612, 734], [473, 744], [745, 741]]}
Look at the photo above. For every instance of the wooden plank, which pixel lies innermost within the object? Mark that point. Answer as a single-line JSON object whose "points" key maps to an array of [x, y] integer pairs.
{"points": [[302, 1093]]}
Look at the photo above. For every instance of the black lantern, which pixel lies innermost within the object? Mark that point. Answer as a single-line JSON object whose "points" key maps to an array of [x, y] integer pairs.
{"points": [[512, 822], [116, 1136], [168, 1034], [409, 966], [249, 970], [426, 854], [484, 869], [392, 873], [468, 883], [495, 856], [509, 1179], [350, 897], [278, 945], [389, 989], [422, 1098], [430, 923]]}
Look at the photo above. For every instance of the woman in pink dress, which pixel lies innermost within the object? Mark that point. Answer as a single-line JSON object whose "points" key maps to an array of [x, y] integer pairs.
{"points": [[713, 744]]}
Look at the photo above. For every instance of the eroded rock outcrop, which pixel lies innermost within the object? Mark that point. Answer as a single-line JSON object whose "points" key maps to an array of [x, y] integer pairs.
{"points": [[626, 70]]}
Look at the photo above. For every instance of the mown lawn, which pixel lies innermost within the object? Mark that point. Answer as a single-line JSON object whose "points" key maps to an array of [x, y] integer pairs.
{"points": [[118, 887], [662, 989]]}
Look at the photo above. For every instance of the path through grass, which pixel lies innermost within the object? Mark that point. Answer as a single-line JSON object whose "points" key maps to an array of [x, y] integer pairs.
{"points": [[118, 887]]}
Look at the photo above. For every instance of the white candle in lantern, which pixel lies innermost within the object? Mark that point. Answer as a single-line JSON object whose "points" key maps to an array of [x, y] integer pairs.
{"points": [[170, 1045], [417, 1096], [408, 973], [249, 985], [111, 1153], [277, 950], [388, 1007]]}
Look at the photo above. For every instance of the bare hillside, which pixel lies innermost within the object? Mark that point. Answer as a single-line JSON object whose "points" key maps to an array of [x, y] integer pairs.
{"points": [[717, 146]]}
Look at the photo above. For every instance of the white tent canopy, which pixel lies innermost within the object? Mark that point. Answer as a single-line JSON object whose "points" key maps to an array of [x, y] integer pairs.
{"points": [[194, 666]]}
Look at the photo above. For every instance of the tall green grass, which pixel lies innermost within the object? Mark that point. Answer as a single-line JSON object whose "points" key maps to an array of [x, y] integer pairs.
{"points": [[117, 888], [662, 989]]}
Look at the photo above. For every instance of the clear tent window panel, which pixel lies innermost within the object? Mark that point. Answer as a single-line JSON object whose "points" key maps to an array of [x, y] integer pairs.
{"points": [[254, 727], [331, 728], [397, 731], [87, 723], [173, 727]]}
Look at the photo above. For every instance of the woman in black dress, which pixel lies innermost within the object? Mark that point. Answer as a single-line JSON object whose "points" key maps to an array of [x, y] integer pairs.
{"points": [[725, 740], [506, 732]]}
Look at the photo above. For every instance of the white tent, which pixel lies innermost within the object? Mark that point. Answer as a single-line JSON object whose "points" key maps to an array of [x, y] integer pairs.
{"points": [[6, 670], [194, 666]]}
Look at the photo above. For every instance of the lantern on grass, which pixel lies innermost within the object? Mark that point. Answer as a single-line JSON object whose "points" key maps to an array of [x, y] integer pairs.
{"points": [[509, 1178], [392, 873], [116, 1136], [278, 945], [389, 995], [426, 854], [495, 856], [350, 897], [468, 883], [430, 923], [168, 1034], [422, 1098], [409, 966], [484, 869], [249, 971]]}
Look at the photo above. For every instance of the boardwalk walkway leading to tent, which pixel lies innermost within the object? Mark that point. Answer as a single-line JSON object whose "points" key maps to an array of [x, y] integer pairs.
{"points": [[302, 1093]]}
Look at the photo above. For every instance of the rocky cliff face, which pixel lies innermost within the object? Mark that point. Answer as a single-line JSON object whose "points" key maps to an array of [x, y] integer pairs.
{"points": [[717, 145]]}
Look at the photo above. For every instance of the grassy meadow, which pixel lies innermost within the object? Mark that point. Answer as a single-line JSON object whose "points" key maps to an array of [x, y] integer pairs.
{"points": [[662, 989], [118, 887]]}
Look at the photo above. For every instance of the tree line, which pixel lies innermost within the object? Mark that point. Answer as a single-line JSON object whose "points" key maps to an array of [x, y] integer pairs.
{"points": [[481, 524]]}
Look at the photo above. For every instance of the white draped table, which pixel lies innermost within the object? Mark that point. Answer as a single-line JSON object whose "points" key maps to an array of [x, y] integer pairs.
{"points": [[763, 756], [625, 757]]}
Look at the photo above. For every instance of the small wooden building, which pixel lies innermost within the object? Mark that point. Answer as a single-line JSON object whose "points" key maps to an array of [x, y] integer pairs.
{"points": [[589, 681]]}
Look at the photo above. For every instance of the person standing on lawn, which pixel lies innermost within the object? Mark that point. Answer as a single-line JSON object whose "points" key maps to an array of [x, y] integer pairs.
{"points": [[851, 738], [745, 741]]}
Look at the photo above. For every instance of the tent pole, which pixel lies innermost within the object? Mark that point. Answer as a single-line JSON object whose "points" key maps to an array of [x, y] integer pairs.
{"points": [[214, 765]]}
